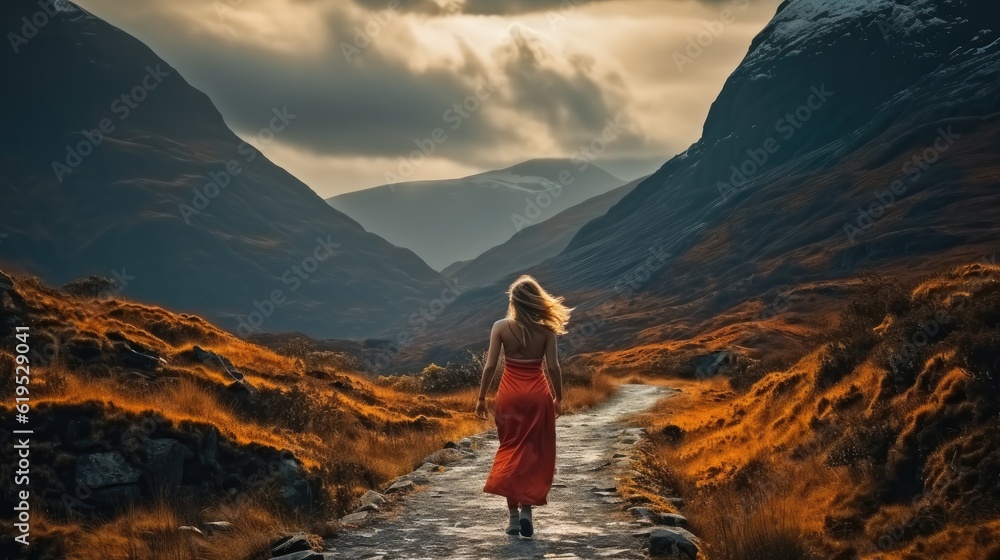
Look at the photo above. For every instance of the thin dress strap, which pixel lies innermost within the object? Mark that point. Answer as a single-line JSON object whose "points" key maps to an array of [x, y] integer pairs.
{"points": [[515, 336]]}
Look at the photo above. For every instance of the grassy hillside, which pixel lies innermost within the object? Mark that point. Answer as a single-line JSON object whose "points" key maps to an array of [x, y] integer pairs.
{"points": [[882, 441]]}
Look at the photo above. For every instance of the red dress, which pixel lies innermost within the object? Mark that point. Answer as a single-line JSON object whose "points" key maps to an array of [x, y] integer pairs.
{"points": [[526, 425]]}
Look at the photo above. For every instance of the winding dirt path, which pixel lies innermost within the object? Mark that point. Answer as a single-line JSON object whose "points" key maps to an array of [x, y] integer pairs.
{"points": [[452, 518]]}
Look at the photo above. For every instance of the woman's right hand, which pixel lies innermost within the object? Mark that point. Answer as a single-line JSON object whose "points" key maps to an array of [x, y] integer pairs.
{"points": [[481, 410], [557, 406]]}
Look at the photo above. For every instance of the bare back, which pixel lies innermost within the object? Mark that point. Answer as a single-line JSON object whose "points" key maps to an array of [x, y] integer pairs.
{"points": [[522, 345]]}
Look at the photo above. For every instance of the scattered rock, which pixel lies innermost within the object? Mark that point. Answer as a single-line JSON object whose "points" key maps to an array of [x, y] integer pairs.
{"points": [[445, 456], [193, 530], [165, 462], [291, 543], [664, 541], [368, 507], [710, 364], [643, 513], [465, 443], [373, 497], [673, 520], [451, 445], [356, 517], [619, 456], [429, 468], [132, 358], [218, 527], [211, 358], [99, 470], [401, 486], [677, 502], [608, 489]]}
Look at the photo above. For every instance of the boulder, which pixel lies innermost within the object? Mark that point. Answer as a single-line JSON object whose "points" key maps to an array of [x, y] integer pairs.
{"points": [[640, 512], [356, 517], [373, 497], [211, 358], [368, 507], [710, 364], [291, 543], [673, 520], [401, 486], [99, 470], [297, 494], [665, 541], [165, 463], [132, 358]]}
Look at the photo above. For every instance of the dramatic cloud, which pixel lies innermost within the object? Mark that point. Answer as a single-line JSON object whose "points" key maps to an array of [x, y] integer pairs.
{"points": [[479, 84]]}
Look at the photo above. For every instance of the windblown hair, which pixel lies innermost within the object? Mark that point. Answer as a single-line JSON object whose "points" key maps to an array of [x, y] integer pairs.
{"points": [[532, 305]]}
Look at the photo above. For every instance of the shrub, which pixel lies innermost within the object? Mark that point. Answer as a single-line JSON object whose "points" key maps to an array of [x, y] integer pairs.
{"points": [[92, 286]]}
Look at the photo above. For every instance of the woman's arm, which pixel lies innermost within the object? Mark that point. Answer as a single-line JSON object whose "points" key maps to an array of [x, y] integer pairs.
{"points": [[552, 364], [492, 357]]}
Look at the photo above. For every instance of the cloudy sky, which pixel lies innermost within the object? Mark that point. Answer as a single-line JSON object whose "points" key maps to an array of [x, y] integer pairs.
{"points": [[369, 81]]}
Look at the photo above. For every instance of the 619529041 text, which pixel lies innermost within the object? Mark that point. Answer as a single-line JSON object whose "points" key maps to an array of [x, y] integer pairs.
{"points": [[22, 436]]}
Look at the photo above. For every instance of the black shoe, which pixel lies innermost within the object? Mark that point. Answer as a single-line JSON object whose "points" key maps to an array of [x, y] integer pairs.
{"points": [[526, 528]]}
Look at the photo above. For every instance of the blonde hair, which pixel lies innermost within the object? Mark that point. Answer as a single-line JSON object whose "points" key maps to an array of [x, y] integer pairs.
{"points": [[530, 304]]}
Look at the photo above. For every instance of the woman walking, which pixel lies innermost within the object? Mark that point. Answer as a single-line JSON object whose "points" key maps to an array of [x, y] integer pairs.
{"points": [[526, 403]]}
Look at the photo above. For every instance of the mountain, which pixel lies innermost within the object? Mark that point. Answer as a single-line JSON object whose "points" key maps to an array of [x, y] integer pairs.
{"points": [[118, 167], [854, 136], [534, 243], [459, 219]]}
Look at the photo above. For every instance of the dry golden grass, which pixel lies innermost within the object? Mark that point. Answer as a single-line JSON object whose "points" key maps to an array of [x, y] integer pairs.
{"points": [[849, 452]]}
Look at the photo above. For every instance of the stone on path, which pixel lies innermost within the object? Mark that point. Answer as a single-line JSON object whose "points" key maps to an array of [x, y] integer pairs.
{"points": [[444, 456], [401, 486], [373, 497], [673, 540], [356, 517]]}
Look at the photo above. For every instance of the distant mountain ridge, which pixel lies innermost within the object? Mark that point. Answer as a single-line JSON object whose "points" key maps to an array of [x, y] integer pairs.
{"points": [[853, 136], [458, 219], [120, 168], [536, 243]]}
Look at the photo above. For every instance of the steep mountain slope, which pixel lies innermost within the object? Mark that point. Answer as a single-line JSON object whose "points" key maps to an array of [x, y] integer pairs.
{"points": [[853, 136], [118, 167], [459, 219], [535, 243]]}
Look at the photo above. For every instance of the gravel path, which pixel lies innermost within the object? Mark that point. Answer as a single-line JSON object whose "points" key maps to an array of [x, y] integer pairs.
{"points": [[451, 517]]}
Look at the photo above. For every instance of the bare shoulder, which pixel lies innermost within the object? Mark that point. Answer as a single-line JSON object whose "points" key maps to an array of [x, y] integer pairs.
{"points": [[499, 324]]}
